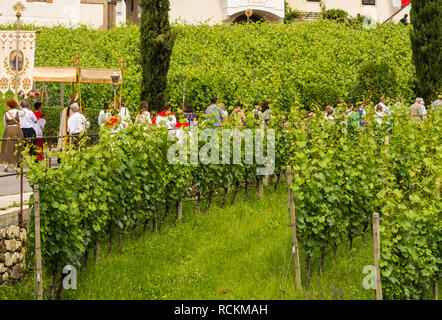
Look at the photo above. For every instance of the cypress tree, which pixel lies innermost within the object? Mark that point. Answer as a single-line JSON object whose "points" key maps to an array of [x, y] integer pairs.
{"points": [[426, 39], [156, 40]]}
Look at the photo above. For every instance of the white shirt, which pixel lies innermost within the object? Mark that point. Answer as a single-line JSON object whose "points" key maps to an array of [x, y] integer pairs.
{"points": [[378, 117], [77, 123], [103, 117], [13, 112], [28, 119], [424, 111], [143, 118], [125, 117], [166, 120], [39, 127]]}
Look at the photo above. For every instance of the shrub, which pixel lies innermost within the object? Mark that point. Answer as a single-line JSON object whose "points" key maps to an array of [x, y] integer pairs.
{"points": [[291, 14], [374, 80], [336, 14]]}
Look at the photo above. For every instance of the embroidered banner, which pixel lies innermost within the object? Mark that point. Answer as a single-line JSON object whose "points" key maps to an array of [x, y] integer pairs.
{"points": [[11, 59]]}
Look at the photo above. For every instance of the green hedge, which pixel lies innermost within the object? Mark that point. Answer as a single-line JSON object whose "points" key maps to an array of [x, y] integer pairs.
{"points": [[282, 63], [52, 115]]}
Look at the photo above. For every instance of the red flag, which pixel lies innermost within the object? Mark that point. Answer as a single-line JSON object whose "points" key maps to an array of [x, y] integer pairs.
{"points": [[406, 2]]}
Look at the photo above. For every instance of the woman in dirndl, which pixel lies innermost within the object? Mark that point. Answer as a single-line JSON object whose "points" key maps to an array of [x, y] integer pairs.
{"points": [[11, 152]]}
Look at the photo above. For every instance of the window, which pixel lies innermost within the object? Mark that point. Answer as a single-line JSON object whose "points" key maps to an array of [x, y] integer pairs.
{"points": [[369, 2]]}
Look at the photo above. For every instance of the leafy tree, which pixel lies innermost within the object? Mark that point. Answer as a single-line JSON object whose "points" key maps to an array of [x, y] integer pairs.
{"points": [[157, 42], [426, 18]]}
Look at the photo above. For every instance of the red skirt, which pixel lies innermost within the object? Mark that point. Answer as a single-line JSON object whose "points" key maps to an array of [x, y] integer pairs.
{"points": [[39, 143]]}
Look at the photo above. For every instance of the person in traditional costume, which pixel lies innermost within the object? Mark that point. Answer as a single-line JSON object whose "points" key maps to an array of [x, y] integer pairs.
{"points": [[166, 118], [124, 114], [104, 115], [28, 121], [11, 152], [63, 141], [39, 127], [143, 116]]}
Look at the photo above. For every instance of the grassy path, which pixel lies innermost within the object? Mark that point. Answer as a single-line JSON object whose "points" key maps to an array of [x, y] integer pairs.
{"points": [[239, 252]]}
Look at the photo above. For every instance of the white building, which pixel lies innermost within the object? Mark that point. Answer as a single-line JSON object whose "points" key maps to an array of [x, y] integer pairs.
{"points": [[95, 13], [229, 11], [106, 13]]}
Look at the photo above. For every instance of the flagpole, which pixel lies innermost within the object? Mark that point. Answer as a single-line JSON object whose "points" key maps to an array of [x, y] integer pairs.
{"points": [[18, 6]]}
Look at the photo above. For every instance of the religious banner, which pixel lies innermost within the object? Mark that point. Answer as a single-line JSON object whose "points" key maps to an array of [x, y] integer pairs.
{"points": [[13, 61]]}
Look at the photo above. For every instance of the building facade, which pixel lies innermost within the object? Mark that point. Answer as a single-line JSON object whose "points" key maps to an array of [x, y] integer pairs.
{"points": [[229, 11], [107, 13], [102, 14]]}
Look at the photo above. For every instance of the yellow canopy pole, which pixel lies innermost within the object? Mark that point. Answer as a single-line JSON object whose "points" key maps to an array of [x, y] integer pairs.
{"points": [[72, 61], [122, 76], [78, 96]]}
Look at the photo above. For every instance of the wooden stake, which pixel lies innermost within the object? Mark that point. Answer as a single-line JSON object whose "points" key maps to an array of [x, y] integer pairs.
{"points": [[62, 94], [122, 61], [97, 252], [377, 255], [37, 242], [436, 285], [293, 225], [179, 210], [261, 188]]}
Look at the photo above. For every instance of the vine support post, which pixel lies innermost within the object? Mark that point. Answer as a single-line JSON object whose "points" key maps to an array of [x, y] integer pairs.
{"points": [[295, 249], [97, 252], [62, 94], [179, 210], [436, 285], [377, 255], [38, 242], [20, 215], [261, 188]]}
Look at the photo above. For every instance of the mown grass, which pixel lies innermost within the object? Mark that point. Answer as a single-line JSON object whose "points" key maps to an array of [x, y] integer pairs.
{"points": [[239, 252]]}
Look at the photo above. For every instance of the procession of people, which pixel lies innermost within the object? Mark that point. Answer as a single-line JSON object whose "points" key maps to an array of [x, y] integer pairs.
{"points": [[24, 127]]}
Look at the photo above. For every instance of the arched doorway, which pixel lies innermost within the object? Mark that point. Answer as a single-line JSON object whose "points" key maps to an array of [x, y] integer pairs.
{"points": [[254, 18]]}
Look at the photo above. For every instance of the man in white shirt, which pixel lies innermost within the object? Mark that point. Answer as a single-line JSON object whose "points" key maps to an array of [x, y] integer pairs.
{"points": [[77, 123], [28, 122]]}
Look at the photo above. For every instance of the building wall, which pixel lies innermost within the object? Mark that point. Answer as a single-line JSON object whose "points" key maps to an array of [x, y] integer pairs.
{"points": [[381, 11], [92, 15], [42, 13], [132, 11], [120, 13], [101, 14], [196, 11]]}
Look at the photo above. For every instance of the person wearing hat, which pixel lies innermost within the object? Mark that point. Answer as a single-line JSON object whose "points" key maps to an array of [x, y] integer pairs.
{"points": [[11, 152], [436, 105]]}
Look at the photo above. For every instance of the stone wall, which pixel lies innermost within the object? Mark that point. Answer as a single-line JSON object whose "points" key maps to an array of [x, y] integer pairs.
{"points": [[12, 253]]}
